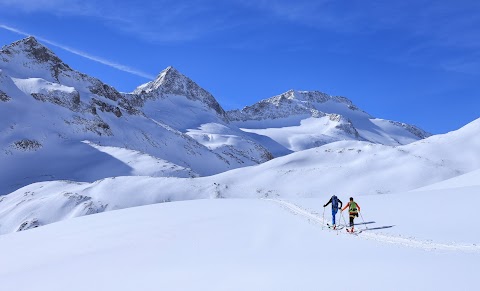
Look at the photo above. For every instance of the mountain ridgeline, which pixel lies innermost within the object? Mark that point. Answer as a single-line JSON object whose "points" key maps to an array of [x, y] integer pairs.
{"points": [[60, 124]]}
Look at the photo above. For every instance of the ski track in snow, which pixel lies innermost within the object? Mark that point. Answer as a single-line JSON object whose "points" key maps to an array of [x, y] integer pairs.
{"points": [[384, 238]]}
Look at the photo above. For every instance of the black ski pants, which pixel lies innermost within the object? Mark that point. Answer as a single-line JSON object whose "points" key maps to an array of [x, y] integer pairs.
{"points": [[352, 217]]}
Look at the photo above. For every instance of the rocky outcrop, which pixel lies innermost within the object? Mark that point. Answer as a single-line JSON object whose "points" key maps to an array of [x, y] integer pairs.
{"points": [[104, 107], [101, 89], [420, 133], [4, 97], [29, 224], [27, 145], [64, 99]]}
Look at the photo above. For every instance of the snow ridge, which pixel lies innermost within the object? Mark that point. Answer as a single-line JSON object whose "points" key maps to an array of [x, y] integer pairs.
{"points": [[287, 104]]}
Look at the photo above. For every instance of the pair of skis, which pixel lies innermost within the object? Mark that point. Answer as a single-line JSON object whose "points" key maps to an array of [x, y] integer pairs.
{"points": [[339, 227]]}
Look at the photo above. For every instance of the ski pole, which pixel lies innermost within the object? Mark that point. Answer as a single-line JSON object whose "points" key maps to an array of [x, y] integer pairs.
{"points": [[323, 217], [339, 221], [366, 227], [336, 222], [344, 221]]}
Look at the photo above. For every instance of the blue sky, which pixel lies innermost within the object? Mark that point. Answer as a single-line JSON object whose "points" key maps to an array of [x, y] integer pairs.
{"points": [[414, 61]]}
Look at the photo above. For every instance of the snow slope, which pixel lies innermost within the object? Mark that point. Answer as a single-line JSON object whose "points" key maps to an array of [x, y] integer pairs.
{"points": [[230, 244], [470, 179], [363, 168]]}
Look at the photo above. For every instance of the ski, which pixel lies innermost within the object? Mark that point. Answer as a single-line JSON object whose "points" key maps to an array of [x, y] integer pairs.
{"points": [[354, 231], [335, 227]]}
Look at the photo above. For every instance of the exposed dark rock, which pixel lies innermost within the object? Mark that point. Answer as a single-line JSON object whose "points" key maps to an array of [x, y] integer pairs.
{"points": [[29, 224], [106, 91], [104, 107], [97, 125], [67, 100], [129, 107], [349, 128], [76, 198], [102, 128], [27, 145], [4, 97], [420, 133]]}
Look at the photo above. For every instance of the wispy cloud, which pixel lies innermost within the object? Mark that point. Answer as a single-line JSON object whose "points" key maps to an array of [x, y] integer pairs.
{"points": [[83, 54], [164, 21], [388, 29]]}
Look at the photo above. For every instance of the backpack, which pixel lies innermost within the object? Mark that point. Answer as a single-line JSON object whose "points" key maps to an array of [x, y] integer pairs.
{"points": [[353, 207], [334, 202]]}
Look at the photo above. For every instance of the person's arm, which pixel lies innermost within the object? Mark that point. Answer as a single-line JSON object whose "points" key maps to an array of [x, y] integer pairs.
{"points": [[346, 206], [341, 203], [329, 201], [358, 206]]}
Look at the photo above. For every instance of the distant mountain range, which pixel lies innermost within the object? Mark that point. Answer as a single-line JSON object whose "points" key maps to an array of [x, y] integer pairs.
{"points": [[60, 124]]}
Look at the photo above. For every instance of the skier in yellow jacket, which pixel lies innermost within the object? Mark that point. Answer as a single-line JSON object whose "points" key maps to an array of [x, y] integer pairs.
{"points": [[353, 209]]}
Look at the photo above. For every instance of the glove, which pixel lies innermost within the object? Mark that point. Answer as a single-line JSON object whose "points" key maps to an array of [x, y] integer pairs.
{"points": [[340, 208], [324, 206]]}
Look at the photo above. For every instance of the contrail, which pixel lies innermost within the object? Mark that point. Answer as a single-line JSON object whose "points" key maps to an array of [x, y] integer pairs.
{"points": [[83, 54]]}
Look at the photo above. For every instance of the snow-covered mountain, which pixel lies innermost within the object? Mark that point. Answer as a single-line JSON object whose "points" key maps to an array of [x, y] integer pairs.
{"points": [[301, 120], [201, 118], [57, 123], [171, 82], [348, 168], [60, 118]]}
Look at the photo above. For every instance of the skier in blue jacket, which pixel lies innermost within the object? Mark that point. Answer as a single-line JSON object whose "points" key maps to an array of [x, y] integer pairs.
{"points": [[334, 200]]}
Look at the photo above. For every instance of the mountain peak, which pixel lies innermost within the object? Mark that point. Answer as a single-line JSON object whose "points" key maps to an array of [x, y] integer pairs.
{"points": [[32, 48], [30, 40], [170, 69], [171, 82], [29, 50]]}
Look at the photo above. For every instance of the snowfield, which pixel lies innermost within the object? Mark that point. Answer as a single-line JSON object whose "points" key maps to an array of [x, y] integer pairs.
{"points": [[252, 244]]}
